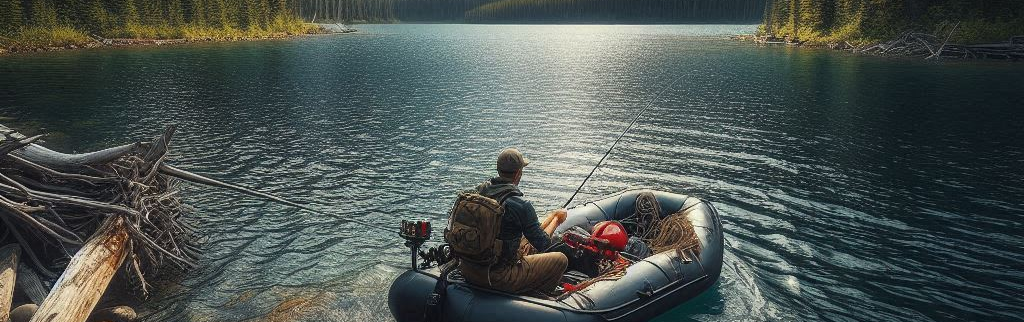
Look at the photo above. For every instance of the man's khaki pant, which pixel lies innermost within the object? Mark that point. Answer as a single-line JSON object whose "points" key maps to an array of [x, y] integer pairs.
{"points": [[534, 272], [539, 272]]}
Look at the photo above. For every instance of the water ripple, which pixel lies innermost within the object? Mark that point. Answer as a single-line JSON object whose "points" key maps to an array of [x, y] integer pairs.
{"points": [[852, 188]]}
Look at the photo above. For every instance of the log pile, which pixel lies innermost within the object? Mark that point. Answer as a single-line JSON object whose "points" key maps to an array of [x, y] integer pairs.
{"points": [[114, 210], [923, 45]]}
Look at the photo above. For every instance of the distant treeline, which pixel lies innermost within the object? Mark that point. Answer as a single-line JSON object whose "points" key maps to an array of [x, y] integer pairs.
{"points": [[72, 20], [626, 11], [872, 20], [641, 11]]}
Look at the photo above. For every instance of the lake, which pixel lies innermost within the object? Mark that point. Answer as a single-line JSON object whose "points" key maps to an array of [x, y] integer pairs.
{"points": [[851, 187]]}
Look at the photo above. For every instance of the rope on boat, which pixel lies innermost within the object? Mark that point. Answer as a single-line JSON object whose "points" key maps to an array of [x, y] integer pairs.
{"points": [[672, 233], [675, 232], [609, 271]]}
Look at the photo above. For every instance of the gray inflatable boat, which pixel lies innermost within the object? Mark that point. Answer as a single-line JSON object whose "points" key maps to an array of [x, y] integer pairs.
{"points": [[650, 287]]}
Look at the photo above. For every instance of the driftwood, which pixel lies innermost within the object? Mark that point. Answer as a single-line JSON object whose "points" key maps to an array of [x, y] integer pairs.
{"points": [[30, 284], [917, 44], [938, 52], [124, 200], [88, 274], [192, 177], [51, 202], [8, 273]]}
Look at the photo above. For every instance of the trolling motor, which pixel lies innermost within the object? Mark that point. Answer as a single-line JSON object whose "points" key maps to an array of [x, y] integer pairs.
{"points": [[415, 232]]}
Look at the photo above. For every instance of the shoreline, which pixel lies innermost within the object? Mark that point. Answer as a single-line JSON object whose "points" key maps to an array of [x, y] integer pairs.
{"points": [[99, 42], [908, 45]]}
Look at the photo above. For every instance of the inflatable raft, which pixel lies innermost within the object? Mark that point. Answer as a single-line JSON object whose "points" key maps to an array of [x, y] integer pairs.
{"points": [[651, 286]]}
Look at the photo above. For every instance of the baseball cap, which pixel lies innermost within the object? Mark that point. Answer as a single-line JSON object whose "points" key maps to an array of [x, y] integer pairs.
{"points": [[511, 160]]}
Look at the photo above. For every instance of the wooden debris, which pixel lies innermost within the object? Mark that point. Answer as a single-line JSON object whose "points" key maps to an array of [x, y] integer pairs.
{"points": [[86, 278], [8, 273], [50, 202], [30, 284], [916, 44], [123, 200], [116, 198]]}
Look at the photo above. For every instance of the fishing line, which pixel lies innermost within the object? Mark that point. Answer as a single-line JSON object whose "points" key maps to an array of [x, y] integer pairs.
{"points": [[628, 127]]}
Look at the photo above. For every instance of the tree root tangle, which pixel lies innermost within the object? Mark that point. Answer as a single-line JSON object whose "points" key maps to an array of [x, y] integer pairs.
{"points": [[51, 202]]}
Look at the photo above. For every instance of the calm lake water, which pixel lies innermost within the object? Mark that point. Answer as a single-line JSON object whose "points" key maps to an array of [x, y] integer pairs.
{"points": [[851, 188]]}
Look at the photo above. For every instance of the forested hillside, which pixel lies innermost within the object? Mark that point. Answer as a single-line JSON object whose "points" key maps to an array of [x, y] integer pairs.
{"points": [[826, 21], [630, 11], [551, 11], [59, 23], [63, 22]]}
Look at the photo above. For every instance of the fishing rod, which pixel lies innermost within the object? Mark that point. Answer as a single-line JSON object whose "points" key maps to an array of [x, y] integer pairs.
{"points": [[628, 127]]}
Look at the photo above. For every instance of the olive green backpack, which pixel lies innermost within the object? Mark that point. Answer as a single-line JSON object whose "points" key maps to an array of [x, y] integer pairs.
{"points": [[473, 226]]}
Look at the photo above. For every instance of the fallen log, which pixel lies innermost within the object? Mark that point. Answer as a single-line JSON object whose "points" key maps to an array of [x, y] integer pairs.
{"points": [[188, 176], [8, 273], [936, 53], [87, 276], [915, 44]]}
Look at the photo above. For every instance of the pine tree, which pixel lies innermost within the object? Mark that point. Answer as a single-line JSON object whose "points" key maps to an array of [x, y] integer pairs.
{"points": [[43, 14], [11, 18], [280, 8], [217, 14], [175, 13], [96, 18], [257, 14], [67, 10], [812, 18], [196, 12], [128, 12], [149, 12]]}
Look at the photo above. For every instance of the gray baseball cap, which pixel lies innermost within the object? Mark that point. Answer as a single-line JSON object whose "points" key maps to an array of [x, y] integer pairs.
{"points": [[511, 160]]}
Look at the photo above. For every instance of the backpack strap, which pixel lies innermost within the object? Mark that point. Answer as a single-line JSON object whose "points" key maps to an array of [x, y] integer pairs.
{"points": [[504, 193], [437, 298]]}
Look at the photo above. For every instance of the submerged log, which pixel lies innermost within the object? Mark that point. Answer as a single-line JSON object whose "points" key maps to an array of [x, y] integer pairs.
{"points": [[189, 176], [87, 276], [8, 273]]}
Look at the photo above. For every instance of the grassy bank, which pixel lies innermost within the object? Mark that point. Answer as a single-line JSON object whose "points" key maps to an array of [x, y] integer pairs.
{"points": [[69, 37]]}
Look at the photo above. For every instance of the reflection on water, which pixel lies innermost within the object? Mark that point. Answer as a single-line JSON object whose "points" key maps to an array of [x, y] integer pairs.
{"points": [[852, 188]]}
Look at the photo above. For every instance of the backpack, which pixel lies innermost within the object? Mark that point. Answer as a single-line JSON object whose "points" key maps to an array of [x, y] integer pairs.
{"points": [[473, 226]]}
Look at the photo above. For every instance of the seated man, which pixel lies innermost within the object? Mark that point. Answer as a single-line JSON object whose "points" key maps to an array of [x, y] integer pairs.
{"points": [[518, 270]]}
